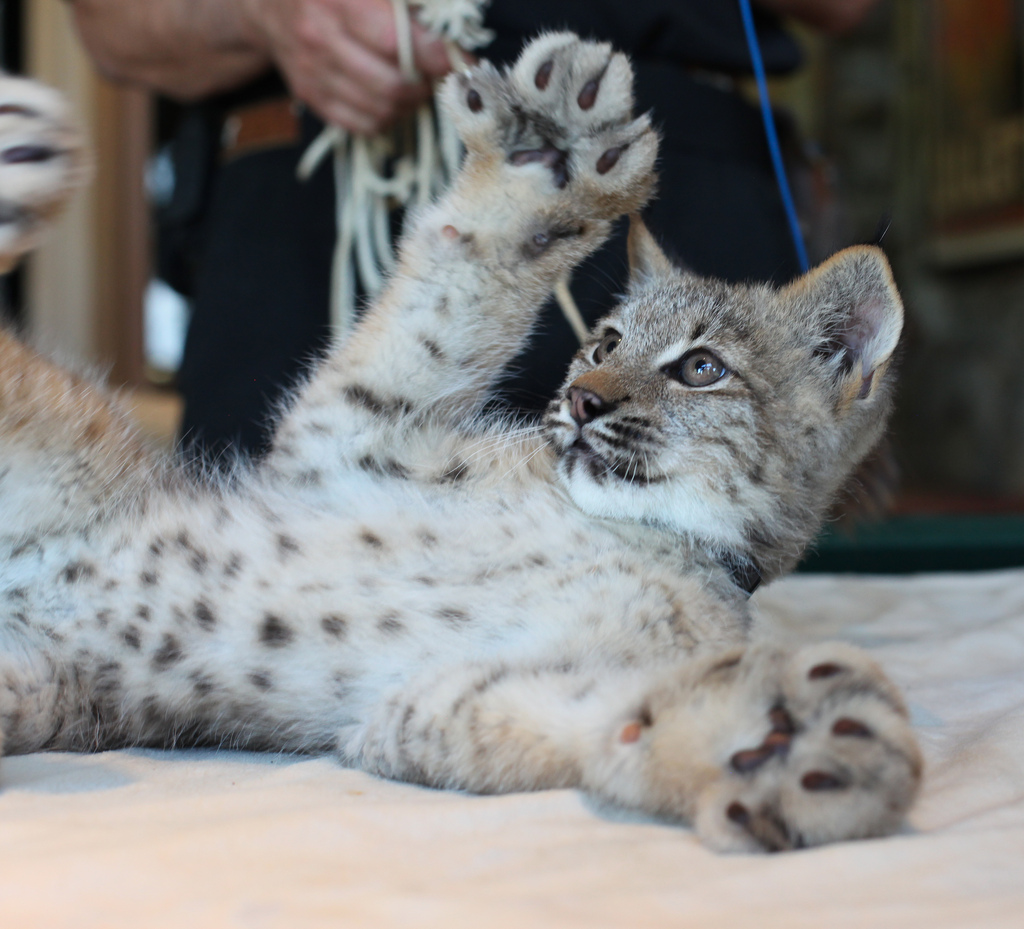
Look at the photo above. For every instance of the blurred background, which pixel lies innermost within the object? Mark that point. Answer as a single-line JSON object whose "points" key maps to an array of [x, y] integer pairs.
{"points": [[910, 127]]}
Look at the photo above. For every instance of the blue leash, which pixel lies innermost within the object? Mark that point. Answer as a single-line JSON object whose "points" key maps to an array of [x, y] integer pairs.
{"points": [[772, 135]]}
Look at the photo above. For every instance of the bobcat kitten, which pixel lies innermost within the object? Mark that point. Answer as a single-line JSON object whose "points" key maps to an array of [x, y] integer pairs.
{"points": [[445, 597]]}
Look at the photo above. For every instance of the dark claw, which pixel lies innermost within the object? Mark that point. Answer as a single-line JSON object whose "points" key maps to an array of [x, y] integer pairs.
{"points": [[778, 741], [14, 109], [474, 101], [588, 96], [738, 813], [820, 780], [750, 759], [824, 670], [851, 727], [544, 75], [28, 154], [609, 159], [781, 720]]}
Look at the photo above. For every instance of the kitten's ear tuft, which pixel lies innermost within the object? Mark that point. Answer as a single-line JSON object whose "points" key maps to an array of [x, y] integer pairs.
{"points": [[647, 262], [858, 311]]}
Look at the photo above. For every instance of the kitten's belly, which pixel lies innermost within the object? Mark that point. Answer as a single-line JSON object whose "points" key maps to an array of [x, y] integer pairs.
{"points": [[254, 593], [449, 573]]}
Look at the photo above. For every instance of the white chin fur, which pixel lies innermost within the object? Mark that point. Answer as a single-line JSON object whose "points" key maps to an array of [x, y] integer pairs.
{"points": [[678, 505]]}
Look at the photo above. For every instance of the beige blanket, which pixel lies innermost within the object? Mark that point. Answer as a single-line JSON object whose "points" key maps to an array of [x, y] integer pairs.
{"points": [[148, 839]]}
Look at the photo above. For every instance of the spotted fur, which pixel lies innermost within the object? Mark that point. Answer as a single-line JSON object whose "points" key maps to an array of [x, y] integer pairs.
{"points": [[444, 597]]}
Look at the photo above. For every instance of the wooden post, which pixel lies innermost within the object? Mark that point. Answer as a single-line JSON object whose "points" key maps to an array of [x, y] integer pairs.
{"points": [[86, 284]]}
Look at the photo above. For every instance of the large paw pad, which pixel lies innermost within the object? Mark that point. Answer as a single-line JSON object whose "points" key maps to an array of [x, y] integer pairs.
{"points": [[564, 107], [836, 760]]}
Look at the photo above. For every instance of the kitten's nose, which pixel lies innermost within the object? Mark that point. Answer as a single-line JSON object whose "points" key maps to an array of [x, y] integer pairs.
{"points": [[585, 405]]}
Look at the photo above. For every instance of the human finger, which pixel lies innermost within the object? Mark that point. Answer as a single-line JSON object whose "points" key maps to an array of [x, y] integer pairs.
{"points": [[374, 115], [376, 29], [352, 87], [375, 74], [429, 53]]}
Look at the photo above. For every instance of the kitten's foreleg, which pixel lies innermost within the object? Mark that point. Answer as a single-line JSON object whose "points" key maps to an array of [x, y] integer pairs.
{"points": [[553, 157]]}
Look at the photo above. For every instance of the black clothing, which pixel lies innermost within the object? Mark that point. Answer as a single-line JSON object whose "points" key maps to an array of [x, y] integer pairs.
{"points": [[690, 33], [264, 254], [261, 293]]}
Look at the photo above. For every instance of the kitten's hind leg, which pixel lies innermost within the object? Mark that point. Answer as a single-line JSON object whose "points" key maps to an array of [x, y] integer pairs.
{"points": [[69, 455], [762, 749], [768, 749], [493, 728]]}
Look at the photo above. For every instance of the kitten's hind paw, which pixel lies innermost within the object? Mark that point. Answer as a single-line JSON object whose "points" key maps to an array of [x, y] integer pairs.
{"points": [[765, 749], [562, 113], [821, 751], [41, 163]]}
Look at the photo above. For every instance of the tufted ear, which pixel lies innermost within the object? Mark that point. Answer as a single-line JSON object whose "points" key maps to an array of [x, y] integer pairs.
{"points": [[852, 302], [647, 262]]}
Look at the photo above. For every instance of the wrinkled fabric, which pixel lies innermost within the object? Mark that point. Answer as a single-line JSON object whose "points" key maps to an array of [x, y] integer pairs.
{"points": [[204, 838]]}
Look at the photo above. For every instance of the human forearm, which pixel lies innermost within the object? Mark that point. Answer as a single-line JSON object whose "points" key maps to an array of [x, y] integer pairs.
{"points": [[340, 57], [183, 48]]}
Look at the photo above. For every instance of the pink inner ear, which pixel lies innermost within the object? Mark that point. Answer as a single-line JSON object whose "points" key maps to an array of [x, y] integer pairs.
{"points": [[864, 323], [870, 329]]}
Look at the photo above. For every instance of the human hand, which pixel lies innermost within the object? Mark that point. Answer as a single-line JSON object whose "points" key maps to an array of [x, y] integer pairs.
{"points": [[340, 57]]}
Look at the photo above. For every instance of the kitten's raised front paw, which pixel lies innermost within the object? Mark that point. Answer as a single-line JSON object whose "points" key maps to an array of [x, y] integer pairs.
{"points": [[41, 163], [832, 758], [563, 112]]}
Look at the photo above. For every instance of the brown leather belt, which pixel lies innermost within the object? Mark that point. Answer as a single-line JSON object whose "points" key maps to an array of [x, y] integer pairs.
{"points": [[259, 126]]}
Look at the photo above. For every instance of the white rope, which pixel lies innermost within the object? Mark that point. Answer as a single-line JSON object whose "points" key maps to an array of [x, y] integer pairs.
{"points": [[403, 36], [409, 165], [570, 311]]}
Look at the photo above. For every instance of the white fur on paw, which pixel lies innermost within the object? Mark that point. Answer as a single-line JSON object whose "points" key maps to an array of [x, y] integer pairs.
{"points": [[834, 757], [563, 111], [41, 163]]}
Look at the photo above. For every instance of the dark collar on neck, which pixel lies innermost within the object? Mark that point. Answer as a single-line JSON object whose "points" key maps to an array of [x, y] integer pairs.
{"points": [[743, 570]]}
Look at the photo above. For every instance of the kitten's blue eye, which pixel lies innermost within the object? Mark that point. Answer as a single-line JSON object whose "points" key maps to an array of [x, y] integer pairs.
{"points": [[697, 368], [608, 345]]}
